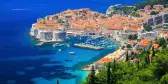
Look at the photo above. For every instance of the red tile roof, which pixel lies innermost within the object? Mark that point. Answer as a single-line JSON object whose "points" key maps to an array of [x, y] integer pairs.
{"points": [[105, 60], [136, 51], [156, 46], [144, 42], [132, 42]]}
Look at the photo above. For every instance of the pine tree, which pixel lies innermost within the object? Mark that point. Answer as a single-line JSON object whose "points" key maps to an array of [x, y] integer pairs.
{"points": [[113, 77], [148, 55], [57, 82], [138, 64], [92, 76], [153, 51], [127, 57], [114, 65], [144, 49], [108, 74], [147, 60]]}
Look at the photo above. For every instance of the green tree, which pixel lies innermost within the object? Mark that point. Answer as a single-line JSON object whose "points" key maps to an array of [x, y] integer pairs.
{"points": [[92, 76], [153, 51], [108, 74], [135, 73], [145, 75], [147, 60], [130, 37], [135, 37], [153, 13], [57, 81], [164, 79], [162, 42], [114, 65], [129, 46], [127, 56], [147, 28], [162, 66], [135, 14], [138, 66]]}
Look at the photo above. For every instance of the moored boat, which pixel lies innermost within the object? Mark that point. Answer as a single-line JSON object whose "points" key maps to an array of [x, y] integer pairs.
{"points": [[40, 44], [55, 45], [59, 50], [71, 53]]}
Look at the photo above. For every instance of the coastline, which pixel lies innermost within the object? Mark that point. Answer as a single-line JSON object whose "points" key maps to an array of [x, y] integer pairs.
{"points": [[117, 54]]}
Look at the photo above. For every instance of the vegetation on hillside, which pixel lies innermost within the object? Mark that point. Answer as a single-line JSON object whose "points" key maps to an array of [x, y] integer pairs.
{"points": [[162, 42], [143, 71], [151, 2], [147, 28], [153, 13], [132, 37], [147, 67], [123, 10]]}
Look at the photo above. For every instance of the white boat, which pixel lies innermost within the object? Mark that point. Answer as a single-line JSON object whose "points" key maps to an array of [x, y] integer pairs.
{"points": [[61, 44], [68, 45], [40, 44], [56, 44], [59, 50], [71, 53]]}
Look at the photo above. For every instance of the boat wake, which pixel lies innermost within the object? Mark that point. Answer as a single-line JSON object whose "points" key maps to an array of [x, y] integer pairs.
{"points": [[20, 9]]}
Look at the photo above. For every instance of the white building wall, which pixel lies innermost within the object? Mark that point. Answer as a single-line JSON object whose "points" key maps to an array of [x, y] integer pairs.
{"points": [[59, 36], [32, 30], [38, 33], [48, 36], [42, 36], [149, 35]]}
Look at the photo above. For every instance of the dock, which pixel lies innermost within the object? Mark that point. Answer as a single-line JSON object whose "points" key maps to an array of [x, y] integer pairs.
{"points": [[82, 45]]}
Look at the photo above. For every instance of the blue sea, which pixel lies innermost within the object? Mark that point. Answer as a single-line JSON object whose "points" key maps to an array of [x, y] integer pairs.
{"points": [[21, 62]]}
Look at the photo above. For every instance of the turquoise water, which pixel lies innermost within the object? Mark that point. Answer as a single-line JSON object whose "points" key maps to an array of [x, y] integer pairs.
{"points": [[60, 64], [21, 62]]}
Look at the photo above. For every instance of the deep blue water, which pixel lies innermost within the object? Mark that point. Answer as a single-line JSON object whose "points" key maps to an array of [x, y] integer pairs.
{"points": [[21, 62]]}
